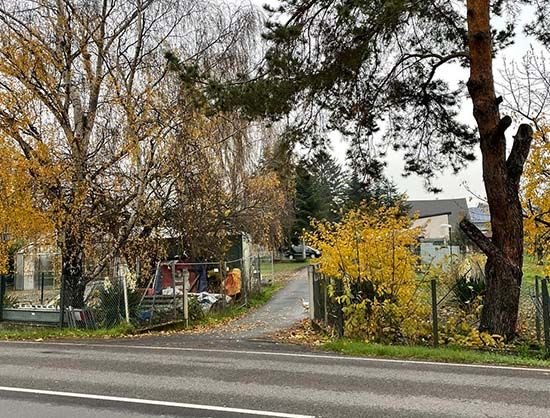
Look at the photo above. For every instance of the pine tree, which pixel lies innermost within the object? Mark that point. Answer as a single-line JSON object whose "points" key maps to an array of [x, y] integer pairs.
{"points": [[356, 63], [320, 191]]}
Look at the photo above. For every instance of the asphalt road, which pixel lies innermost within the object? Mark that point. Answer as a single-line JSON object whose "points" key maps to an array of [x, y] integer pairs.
{"points": [[149, 377]]}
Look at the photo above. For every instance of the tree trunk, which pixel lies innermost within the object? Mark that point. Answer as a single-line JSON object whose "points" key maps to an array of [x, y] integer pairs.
{"points": [[501, 176], [72, 270]]}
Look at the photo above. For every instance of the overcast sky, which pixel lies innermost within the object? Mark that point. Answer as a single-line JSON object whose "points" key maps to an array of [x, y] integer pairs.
{"points": [[470, 179]]}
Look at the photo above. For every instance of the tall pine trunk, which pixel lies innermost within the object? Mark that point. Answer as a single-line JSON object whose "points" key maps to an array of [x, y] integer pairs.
{"points": [[501, 175]]}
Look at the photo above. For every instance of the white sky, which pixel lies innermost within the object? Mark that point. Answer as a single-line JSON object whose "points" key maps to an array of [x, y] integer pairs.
{"points": [[469, 179]]}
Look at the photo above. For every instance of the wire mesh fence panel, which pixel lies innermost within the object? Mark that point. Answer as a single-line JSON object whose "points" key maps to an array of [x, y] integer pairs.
{"points": [[459, 308], [117, 296], [255, 276], [261, 270], [447, 309], [188, 291], [266, 266], [530, 312], [35, 282], [31, 293], [111, 301], [46, 296], [324, 303], [455, 307]]}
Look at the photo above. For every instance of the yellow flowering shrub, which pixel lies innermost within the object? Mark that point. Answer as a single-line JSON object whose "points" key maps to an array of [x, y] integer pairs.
{"points": [[372, 253]]}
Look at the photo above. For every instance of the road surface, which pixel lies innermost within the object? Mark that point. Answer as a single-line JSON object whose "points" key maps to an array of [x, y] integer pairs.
{"points": [[259, 379]]}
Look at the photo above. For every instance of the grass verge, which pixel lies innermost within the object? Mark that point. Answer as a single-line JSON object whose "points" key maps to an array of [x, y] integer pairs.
{"points": [[27, 332], [442, 354]]}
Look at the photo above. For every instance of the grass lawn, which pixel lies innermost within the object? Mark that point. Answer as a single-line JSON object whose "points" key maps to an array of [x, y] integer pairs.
{"points": [[282, 268], [530, 270], [442, 354]]}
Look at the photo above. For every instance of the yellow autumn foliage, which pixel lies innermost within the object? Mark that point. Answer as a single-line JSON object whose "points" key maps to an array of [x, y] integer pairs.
{"points": [[536, 198], [20, 220], [372, 253]]}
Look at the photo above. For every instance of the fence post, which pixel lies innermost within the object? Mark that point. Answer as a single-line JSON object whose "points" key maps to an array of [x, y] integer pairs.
{"points": [[174, 301], [272, 266], [186, 297], [435, 324], [2, 293], [126, 307], [325, 298], [62, 302], [245, 280], [339, 290], [546, 315], [537, 312], [223, 275], [42, 288], [311, 284], [259, 272]]}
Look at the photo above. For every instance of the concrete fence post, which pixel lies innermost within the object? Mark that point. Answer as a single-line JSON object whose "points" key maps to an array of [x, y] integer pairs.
{"points": [[311, 289], [42, 288], [2, 293], [435, 323], [186, 297], [339, 291], [62, 302], [126, 306], [546, 315], [175, 307], [537, 311]]}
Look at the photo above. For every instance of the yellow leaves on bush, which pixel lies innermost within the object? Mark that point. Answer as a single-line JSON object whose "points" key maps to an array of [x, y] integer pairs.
{"points": [[536, 197], [372, 252], [459, 329], [367, 245]]}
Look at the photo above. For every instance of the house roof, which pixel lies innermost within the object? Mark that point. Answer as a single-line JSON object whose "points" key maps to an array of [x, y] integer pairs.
{"points": [[456, 208], [433, 215]]}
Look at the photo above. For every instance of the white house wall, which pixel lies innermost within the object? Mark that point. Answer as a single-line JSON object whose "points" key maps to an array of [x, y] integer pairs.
{"points": [[432, 227], [436, 254]]}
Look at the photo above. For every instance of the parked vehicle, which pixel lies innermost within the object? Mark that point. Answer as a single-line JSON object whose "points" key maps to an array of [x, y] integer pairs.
{"points": [[297, 252]]}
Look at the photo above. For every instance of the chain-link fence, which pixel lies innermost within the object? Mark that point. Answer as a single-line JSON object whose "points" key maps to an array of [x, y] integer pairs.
{"points": [[32, 292], [189, 291], [174, 291], [323, 305], [453, 308], [535, 311]]}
